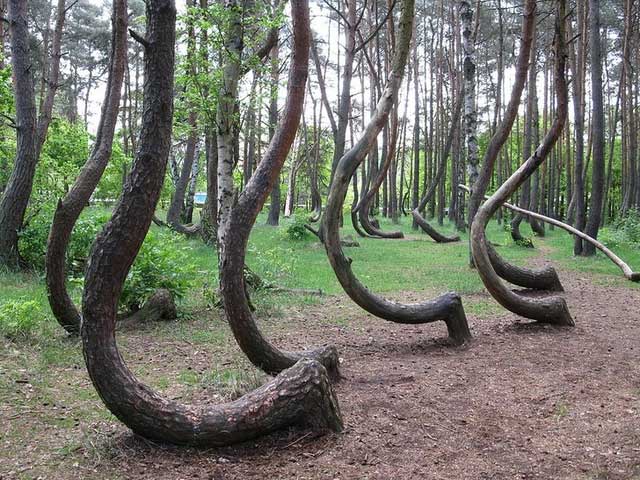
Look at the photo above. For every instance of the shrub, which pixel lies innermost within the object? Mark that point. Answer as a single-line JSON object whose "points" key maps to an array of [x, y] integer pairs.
{"points": [[625, 230], [33, 239], [159, 264], [19, 318], [296, 230]]}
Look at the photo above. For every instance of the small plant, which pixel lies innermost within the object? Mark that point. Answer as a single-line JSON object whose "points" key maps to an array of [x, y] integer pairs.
{"points": [[159, 264], [296, 230], [20, 318]]}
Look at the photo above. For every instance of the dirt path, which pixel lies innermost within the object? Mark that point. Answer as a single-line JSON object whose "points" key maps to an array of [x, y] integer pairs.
{"points": [[523, 401]]}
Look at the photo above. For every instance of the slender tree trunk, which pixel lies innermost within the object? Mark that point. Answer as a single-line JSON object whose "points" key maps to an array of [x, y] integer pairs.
{"points": [[274, 209], [597, 128], [15, 198], [71, 206]]}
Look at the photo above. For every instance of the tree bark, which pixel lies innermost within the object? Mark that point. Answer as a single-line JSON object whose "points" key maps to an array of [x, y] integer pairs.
{"points": [[71, 206], [447, 307], [15, 198]]}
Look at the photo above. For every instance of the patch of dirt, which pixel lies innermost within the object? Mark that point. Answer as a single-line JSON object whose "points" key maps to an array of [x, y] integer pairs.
{"points": [[522, 401]]}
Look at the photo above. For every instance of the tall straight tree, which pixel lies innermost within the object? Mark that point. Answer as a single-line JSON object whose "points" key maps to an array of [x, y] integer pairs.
{"points": [[31, 130], [16, 195], [597, 129], [274, 209]]}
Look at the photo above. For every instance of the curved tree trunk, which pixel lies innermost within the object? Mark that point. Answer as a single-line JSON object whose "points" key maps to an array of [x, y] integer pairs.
{"points": [[551, 309], [544, 279], [70, 207], [301, 395], [15, 198], [479, 188], [442, 165], [237, 221], [448, 307], [629, 274]]}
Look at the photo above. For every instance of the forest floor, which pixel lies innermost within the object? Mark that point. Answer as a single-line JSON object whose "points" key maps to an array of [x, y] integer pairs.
{"points": [[521, 401]]}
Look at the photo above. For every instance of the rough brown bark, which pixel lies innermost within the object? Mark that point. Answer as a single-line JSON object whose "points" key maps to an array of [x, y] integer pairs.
{"points": [[70, 207], [15, 198], [300, 395], [447, 307], [242, 214], [551, 309]]}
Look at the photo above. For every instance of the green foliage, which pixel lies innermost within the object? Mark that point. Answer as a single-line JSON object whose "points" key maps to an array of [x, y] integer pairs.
{"points": [[33, 239], [296, 230], [63, 154], [20, 318], [624, 231], [110, 184], [159, 264], [7, 133]]}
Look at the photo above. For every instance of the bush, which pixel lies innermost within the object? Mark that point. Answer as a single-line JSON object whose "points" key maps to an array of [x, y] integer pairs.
{"points": [[33, 239], [159, 264], [625, 230], [19, 318], [296, 230]]}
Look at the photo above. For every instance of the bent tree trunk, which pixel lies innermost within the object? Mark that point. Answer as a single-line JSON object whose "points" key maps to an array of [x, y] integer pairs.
{"points": [[70, 207], [547, 278], [552, 309], [237, 222], [628, 272], [15, 199], [300, 395], [448, 307], [442, 165]]}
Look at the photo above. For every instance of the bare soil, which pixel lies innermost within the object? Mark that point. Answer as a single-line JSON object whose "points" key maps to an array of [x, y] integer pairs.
{"points": [[522, 401]]}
